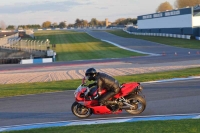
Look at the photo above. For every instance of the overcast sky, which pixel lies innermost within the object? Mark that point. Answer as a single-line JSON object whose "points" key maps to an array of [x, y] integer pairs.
{"points": [[23, 12]]}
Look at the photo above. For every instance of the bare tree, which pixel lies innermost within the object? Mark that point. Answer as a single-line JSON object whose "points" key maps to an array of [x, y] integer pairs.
{"points": [[62, 25], [10, 27], [185, 3], [85, 23], [125, 21], [94, 22], [164, 6], [54, 25], [2, 25], [77, 22], [102, 23]]}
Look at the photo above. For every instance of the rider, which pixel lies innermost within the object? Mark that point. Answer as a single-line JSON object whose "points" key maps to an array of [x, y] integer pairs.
{"points": [[107, 82]]}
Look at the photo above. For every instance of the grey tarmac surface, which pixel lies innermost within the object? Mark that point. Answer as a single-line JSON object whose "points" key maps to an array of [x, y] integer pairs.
{"points": [[182, 97], [142, 61], [140, 45]]}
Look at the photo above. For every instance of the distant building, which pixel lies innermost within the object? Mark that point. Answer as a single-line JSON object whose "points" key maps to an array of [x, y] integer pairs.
{"points": [[107, 23], [184, 21]]}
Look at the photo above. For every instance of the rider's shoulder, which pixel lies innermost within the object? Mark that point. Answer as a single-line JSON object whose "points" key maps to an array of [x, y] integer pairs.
{"points": [[101, 74]]}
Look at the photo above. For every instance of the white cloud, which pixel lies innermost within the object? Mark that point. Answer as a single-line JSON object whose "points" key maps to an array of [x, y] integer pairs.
{"points": [[39, 7], [37, 11]]}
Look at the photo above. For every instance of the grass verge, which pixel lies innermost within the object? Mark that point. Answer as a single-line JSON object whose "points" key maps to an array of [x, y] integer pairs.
{"points": [[193, 44], [8, 90], [175, 126], [71, 45]]}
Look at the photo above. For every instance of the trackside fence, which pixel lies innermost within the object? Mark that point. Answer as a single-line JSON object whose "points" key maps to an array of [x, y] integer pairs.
{"points": [[159, 34]]}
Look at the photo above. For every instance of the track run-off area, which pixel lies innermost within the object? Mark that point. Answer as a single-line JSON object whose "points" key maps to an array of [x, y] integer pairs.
{"points": [[169, 99]]}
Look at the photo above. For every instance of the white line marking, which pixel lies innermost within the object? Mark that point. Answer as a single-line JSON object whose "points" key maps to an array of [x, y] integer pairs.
{"points": [[2, 129], [197, 117], [172, 80], [152, 54], [95, 119], [101, 121]]}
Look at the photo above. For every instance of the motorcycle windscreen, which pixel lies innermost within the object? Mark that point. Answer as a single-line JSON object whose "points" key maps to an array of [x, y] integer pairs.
{"points": [[93, 91]]}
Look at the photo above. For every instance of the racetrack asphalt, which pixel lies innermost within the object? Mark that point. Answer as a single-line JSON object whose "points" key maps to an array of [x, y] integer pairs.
{"points": [[180, 97], [140, 45]]}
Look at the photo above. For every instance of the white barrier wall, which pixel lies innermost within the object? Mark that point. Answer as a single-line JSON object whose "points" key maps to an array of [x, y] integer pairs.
{"points": [[27, 61], [196, 21], [161, 34], [180, 18], [47, 60], [166, 22], [36, 61]]}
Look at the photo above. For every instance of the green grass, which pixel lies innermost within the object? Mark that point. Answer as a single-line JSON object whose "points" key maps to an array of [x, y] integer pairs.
{"points": [[193, 44], [175, 126], [71, 45], [8, 90]]}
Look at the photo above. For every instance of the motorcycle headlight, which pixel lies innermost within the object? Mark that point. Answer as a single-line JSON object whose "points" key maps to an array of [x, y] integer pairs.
{"points": [[82, 95]]}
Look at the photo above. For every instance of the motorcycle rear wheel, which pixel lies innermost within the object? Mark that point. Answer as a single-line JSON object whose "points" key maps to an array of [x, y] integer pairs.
{"points": [[139, 104], [80, 110]]}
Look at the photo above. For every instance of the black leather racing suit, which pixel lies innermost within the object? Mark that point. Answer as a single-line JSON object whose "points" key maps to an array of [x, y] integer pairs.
{"points": [[104, 81]]}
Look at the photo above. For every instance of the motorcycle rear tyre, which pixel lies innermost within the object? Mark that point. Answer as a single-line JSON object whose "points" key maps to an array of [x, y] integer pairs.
{"points": [[141, 100]]}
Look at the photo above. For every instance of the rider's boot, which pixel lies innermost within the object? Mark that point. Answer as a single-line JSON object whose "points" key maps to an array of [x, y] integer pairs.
{"points": [[113, 105]]}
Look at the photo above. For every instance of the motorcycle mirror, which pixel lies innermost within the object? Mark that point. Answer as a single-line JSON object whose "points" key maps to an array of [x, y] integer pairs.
{"points": [[84, 80]]}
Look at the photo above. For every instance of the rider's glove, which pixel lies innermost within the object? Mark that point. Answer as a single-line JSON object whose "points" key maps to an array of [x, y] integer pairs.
{"points": [[90, 85], [93, 84]]}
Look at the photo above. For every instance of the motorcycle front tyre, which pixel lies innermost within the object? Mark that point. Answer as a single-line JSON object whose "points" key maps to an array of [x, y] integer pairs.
{"points": [[80, 110]]}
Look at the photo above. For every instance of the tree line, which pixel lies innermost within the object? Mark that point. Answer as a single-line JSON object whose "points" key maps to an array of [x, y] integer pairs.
{"points": [[78, 23], [178, 4], [93, 22]]}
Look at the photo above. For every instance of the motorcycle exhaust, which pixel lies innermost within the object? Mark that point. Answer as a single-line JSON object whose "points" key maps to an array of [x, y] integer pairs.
{"points": [[125, 107], [129, 105]]}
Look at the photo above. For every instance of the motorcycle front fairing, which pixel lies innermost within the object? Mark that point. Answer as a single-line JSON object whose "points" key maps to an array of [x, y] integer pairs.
{"points": [[80, 93], [103, 110]]}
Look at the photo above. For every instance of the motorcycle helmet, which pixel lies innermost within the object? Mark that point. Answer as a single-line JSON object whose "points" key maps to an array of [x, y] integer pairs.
{"points": [[90, 74]]}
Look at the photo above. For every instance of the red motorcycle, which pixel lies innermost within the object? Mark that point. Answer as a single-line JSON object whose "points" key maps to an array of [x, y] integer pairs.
{"points": [[128, 98]]}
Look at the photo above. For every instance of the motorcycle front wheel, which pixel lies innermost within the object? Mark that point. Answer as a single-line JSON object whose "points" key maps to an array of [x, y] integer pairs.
{"points": [[80, 110], [138, 103]]}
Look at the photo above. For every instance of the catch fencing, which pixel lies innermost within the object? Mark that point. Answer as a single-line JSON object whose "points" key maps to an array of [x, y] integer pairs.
{"points": [[13, 43], [30, 46], [10, 61]]}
